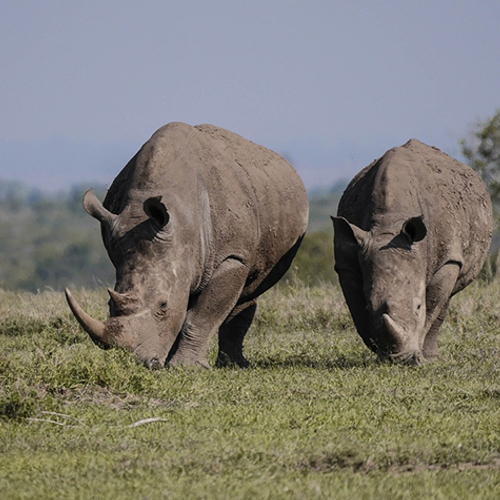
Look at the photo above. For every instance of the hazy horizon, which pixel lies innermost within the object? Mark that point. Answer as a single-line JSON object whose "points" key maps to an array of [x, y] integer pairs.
{"points": [[329, 85]]}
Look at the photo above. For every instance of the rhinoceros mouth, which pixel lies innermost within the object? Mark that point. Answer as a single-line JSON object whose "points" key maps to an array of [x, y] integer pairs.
{"points": [[411, 358], [396, 345]]}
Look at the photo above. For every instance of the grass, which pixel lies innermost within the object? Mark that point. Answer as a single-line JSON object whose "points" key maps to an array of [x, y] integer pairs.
{"points": [[317, 416]]}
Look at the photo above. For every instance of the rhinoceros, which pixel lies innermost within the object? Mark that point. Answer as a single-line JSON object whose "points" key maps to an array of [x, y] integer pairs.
{"points": [[412, 230], [198, 224]]}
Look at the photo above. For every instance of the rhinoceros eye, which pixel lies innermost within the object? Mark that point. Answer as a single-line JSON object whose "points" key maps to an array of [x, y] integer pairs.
{"points": [[163, 306]]}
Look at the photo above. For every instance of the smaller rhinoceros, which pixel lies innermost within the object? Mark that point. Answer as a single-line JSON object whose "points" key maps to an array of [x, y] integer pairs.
{"points": [[413, 229], [198, 224]]}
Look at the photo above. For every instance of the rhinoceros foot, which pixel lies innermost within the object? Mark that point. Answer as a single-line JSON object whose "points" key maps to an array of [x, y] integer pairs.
{"points": [[431, 356], [187, 361], [225, 360]]}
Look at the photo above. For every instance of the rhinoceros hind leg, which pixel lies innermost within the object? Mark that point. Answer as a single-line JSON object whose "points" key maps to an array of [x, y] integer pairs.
{"points": [[231, 335]]}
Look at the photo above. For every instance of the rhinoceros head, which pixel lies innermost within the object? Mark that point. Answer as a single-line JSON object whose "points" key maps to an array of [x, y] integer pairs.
{"points": [[149, 301], [383, 277]]}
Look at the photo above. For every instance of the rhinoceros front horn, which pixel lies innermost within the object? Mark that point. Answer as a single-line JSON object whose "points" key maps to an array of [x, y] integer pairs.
{"points": [[92, 326], [95, 208], [398, 334]]}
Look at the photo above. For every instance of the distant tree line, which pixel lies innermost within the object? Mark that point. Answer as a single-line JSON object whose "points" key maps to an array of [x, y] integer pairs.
{"points": [[482, 152], [47, 240]]}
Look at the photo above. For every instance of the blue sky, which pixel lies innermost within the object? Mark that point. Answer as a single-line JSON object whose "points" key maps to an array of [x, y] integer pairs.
{"points": [[329, 84]]}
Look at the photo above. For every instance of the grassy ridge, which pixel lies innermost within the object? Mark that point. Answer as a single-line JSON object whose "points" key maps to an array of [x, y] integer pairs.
{"points": [[317, 416]]}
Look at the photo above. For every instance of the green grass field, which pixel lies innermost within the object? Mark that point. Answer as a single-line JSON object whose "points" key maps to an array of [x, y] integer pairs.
{"points": [[317, 416]]}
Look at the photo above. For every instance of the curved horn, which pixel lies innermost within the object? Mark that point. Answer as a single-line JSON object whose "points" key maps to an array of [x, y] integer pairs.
{"points": [[395, 330], [95, 208], [408, 353], [92, 326]]}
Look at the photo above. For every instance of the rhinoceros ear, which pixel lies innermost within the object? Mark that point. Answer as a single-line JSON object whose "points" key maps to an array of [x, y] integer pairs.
{"points": [[95, 208], [344, 231], [414, 228], [156, 211]]}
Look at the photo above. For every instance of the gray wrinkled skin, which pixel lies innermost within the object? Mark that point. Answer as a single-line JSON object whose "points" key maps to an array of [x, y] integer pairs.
{"points": [[413, 229], [198, 225]]}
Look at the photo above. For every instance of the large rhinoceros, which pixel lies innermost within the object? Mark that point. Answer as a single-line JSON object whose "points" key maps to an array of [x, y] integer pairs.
{"points": [[198, 224], [413, 229]]}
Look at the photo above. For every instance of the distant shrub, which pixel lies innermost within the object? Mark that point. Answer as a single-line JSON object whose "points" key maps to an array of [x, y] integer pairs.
{"points": [[313, 264]]}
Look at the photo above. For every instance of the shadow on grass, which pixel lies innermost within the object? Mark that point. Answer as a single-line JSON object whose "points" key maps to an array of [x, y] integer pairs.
{"points": [[341, 362]]}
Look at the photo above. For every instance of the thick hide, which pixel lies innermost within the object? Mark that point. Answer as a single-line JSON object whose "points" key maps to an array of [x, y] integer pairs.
{"points": [[413, 229], [198, 225]]}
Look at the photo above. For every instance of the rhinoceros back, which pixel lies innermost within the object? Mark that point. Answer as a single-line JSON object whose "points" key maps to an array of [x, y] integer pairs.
{"points": [[253, 191], [229, 196]]}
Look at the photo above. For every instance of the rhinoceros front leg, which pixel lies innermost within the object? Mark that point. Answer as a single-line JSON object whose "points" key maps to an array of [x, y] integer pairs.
{"points": [[231, 335], [438, 296], [211, 308], [431, 350]]}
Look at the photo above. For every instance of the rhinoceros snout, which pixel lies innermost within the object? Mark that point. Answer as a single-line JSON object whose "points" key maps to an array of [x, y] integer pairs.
{"points": [[414, 358], [396, 343]]}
